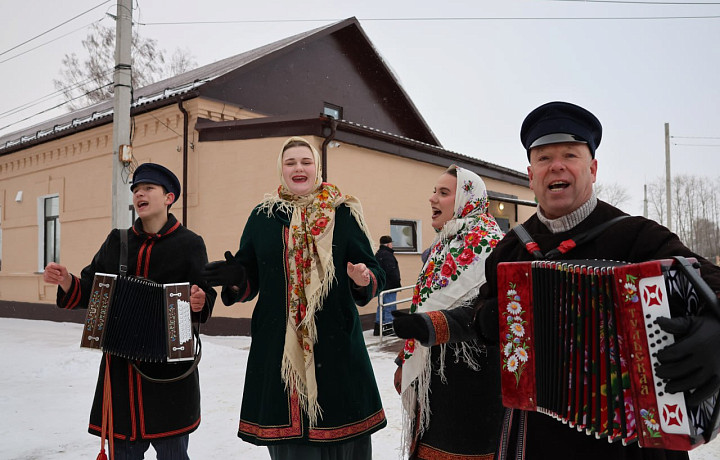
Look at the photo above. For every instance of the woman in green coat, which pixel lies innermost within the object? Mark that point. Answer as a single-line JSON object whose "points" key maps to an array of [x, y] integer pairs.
{"points": [[305, 252]]}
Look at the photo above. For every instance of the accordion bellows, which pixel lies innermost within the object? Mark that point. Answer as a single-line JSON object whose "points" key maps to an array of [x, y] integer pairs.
{"points": [[578, 342], [139, 319]]}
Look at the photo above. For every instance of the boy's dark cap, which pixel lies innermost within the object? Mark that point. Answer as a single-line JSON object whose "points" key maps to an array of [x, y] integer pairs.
{"points": [[557, 122], [385, 239], [153, 173]]}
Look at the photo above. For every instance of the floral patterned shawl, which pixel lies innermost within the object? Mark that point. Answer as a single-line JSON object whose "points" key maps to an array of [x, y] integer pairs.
{"points": [[451, 278], [311, 272]]}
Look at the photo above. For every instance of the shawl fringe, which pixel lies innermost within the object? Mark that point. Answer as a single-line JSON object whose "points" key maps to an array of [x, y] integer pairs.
{"points": [[295, 380]]}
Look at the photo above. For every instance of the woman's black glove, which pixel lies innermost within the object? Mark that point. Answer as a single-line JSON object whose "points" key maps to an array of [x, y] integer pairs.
{"points": [[693, 361], [410, 326], [486, 321], [228, 272]]}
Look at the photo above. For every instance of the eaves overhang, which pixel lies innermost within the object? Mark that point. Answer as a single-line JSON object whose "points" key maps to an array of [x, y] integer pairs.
{"points": [[98, 115], [356, 134]]}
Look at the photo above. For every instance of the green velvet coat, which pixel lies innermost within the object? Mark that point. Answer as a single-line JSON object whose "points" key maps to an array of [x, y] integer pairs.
{"points": [[348, 394]]}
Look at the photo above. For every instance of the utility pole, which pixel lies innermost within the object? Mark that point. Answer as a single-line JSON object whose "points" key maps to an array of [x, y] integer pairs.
{"points": [[122, 93], [645, 201], [668, 195]]}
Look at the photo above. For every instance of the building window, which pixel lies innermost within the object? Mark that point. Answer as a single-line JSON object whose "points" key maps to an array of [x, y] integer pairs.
{"points": [[333, 111], [504, 213], [405, 235], [51, 229]]}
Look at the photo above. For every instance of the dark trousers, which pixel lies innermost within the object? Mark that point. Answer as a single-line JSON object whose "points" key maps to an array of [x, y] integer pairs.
{"points": [[358, 449], [174, 448]]}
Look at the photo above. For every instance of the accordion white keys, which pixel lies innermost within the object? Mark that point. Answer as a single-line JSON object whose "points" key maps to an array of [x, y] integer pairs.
{"points": [[579, 341], [138, 319]]}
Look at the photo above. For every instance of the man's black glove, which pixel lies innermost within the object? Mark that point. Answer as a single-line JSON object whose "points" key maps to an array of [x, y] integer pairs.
{"points": [[693, 361], [228, 272], [486, 321], [410, 326]]}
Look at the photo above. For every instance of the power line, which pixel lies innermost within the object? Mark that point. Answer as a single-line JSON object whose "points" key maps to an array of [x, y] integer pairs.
{"points": [[696, 145], [637, 3], [55, 107], [499, 18], [51, 41], [692, 137], [27, 105], [57, 26]]}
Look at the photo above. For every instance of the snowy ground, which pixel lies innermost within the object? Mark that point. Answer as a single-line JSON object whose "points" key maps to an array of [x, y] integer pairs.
{"points": [[47, 384]]}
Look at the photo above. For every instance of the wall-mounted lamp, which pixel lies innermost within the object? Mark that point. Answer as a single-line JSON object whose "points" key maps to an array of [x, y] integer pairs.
{"points": [[501, 206], [18, 197]]}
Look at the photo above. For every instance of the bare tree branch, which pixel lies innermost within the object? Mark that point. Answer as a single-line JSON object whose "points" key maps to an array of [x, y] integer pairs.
{"points": [[89, 81]]}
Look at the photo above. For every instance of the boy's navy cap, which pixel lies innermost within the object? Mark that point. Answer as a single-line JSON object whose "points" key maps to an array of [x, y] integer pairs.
{"points": [[557, 122], [153, 173]]}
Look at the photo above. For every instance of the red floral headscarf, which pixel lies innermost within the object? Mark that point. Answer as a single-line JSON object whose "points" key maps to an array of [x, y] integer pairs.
{"points": [[451, 278]]}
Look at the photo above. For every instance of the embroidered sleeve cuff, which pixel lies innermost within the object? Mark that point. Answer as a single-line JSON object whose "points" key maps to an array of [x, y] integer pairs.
{"points": [[70, 299], [440, 330]]}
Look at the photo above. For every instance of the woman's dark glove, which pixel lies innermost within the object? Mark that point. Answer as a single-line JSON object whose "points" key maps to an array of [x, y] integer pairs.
{"points": [[410, 326], [228, 272], [693, 361], [486, 321]]}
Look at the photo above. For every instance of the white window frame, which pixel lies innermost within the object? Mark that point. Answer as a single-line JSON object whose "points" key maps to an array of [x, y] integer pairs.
{"points": [[418, 236], [41, 229]]}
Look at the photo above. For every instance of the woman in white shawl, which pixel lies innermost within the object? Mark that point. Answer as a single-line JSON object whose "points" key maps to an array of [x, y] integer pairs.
{"points": [[449, 382]]}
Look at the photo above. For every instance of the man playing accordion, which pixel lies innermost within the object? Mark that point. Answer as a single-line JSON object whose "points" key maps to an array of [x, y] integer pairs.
{"points": [[560, 139]]}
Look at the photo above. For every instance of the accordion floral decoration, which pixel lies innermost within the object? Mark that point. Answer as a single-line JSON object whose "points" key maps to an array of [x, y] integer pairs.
{"points": [[515, 345]]}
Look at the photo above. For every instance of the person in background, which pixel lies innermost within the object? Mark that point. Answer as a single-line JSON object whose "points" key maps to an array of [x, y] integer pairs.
{"points": [[162, 250], [386, 258], [560, 140], [305, 252], [450, 391]]}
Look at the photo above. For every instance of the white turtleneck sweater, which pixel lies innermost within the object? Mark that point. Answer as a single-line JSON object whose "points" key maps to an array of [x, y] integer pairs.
{"points": [[569, 221]]}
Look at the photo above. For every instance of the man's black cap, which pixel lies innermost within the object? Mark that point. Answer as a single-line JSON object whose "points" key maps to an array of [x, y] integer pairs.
{"points": [[557, 122], [153, 173], [385, 239]]}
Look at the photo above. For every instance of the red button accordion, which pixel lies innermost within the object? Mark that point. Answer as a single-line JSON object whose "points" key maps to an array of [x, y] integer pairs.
{"points": [[579, 342], [138, 319]]}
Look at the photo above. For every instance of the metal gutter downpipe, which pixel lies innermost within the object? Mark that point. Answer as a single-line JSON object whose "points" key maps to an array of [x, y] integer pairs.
{"points": [[186, 121], [328, 139]]}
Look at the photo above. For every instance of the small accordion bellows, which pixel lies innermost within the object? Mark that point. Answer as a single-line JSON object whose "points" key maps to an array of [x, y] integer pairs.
{"points": [[138, 319], [579, 343]]}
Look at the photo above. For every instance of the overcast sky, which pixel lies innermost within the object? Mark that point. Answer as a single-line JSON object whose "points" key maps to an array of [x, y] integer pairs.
{"points": [[473, 68]]}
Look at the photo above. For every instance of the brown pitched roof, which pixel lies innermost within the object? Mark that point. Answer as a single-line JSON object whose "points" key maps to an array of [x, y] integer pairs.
{"points": [[185, 86]]}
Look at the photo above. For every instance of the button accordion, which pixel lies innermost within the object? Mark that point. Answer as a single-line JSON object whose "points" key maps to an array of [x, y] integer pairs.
{"points": [[139, 319], [579, 343]]}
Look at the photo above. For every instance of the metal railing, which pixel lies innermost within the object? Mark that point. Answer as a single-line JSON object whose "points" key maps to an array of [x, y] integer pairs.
{"points": [[381, 302]]}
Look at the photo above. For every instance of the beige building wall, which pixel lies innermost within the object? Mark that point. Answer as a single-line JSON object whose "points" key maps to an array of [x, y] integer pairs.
{"points": [[226, 179]]}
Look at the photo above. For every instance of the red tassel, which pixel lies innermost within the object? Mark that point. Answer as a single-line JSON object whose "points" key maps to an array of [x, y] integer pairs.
{"points": [[102, 455]]}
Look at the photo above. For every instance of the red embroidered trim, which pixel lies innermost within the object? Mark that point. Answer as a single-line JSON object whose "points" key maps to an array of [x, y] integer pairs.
{"points": [[333, 434], [431, 453], [246, 293], [440, 324], [73, 297], [146, 268], [138, 270], [294, 430], [374, 282], [98, 430], [131, 395], [172, 433]]}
